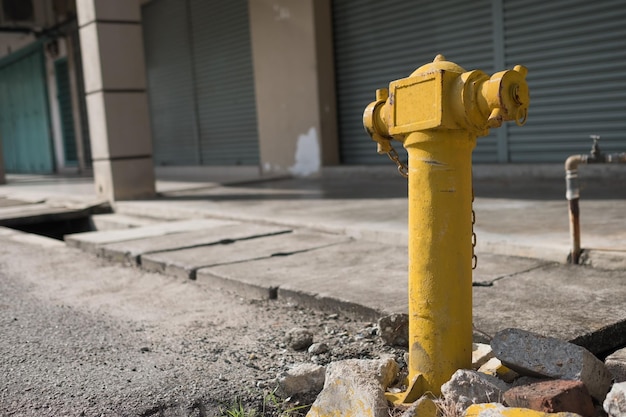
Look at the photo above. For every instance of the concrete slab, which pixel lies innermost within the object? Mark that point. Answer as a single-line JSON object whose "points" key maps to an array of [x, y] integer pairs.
{"points": [[91, 241], [115, 221], [573, 303], [493, 267], [513, 217], [184, 263], [359, 278], [8, 202], [131, 251], [29, 238], [31, 213]]}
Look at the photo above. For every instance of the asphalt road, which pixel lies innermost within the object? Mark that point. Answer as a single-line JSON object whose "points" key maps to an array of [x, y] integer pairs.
{"points": [[81, 337]]}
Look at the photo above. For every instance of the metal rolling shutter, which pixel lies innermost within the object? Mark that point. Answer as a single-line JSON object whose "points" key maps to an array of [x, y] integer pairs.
{"points": [[377, 42], [65, 107], [576, 54], [224, 82], [24, 118], [170, 83]]}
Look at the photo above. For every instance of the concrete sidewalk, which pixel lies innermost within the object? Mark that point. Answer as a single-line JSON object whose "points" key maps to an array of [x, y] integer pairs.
{"points": [[339, 243]]}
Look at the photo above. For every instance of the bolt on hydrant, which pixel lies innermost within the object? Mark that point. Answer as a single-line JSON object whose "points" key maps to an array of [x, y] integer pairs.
{"points": [[437, 113]]}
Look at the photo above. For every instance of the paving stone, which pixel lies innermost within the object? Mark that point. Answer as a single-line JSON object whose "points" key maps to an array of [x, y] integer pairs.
{"points": [[499, 410], [91, 241], [534, 355], [470, 387], [616, 364], [355, 387], [552, 397], [224, 232], [304, 378], [615, 402]]}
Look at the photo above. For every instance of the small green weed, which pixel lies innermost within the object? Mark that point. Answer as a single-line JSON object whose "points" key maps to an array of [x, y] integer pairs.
{"points": [[271, 405], [238, 410], [271, 400]]}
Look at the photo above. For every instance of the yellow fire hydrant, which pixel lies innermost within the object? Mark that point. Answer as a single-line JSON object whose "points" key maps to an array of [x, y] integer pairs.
{"points": [[437, 113]]}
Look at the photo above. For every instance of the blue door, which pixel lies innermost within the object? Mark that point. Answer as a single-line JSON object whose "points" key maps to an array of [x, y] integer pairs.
{"points": [[24, 118]]}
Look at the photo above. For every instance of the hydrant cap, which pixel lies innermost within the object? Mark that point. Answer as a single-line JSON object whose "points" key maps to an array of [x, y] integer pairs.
{"points": [[438, 64]]}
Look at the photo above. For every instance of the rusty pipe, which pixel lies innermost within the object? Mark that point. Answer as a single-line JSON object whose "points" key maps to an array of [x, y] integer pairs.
{"points": [[572, 192]]}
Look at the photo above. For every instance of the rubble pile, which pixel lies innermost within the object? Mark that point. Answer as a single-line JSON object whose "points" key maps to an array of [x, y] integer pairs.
{"points": [[518, 372]]}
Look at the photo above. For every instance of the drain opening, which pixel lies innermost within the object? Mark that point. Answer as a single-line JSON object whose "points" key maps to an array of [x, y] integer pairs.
{"points": [[56, 228]]}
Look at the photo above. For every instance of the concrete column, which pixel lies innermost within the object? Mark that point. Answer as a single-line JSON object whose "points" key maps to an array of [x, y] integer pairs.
{"points": [[117, 104], [294, 84]]}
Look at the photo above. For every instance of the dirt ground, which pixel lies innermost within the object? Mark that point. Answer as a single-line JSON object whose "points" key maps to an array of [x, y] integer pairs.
{"points": [[83, 337]]}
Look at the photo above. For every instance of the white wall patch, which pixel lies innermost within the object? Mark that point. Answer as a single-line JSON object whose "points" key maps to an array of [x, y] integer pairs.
{"points": [[308, 160]]}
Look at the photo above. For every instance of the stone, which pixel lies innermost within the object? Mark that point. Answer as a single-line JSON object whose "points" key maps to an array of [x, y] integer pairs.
{"points": [[424, 406], [355, 387], [615, 402], [394, 329], [616, 364], [499, 410], [470, 387], [534, 355], [299, 338], [305, 378], [552, 396], [481, 353], [495, 368], [318, 348]]}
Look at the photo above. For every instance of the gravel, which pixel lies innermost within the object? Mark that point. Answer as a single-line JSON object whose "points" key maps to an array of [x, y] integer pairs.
{"points": [[84, 337]]}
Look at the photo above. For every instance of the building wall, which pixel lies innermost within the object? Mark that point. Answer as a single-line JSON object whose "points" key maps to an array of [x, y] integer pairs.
{"points": [[11, 42], [294, 84]]}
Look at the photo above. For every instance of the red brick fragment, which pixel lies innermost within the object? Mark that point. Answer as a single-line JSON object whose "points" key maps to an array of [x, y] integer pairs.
{"points": [[552, 396]]}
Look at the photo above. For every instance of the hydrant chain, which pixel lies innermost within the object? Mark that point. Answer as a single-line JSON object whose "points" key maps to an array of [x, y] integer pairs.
{"points": [[402, 168], [474, 257]]}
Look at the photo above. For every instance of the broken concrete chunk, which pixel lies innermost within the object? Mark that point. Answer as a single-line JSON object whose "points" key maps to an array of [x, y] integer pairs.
{"points": [[299, 338], [481, 353], [470, 387], [552, 396], [424, 406], [615, 402], [394, 329], [495, 368], [616, 364], [305, 378], [355, 387], [318, 348], [535, 355]]}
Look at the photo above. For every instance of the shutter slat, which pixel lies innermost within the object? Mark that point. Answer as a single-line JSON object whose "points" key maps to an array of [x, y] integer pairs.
{"points": [[575, 51], [378, 42]]}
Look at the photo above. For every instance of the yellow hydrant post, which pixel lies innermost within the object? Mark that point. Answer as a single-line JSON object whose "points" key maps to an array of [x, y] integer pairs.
{"points": [[438, 112]]}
